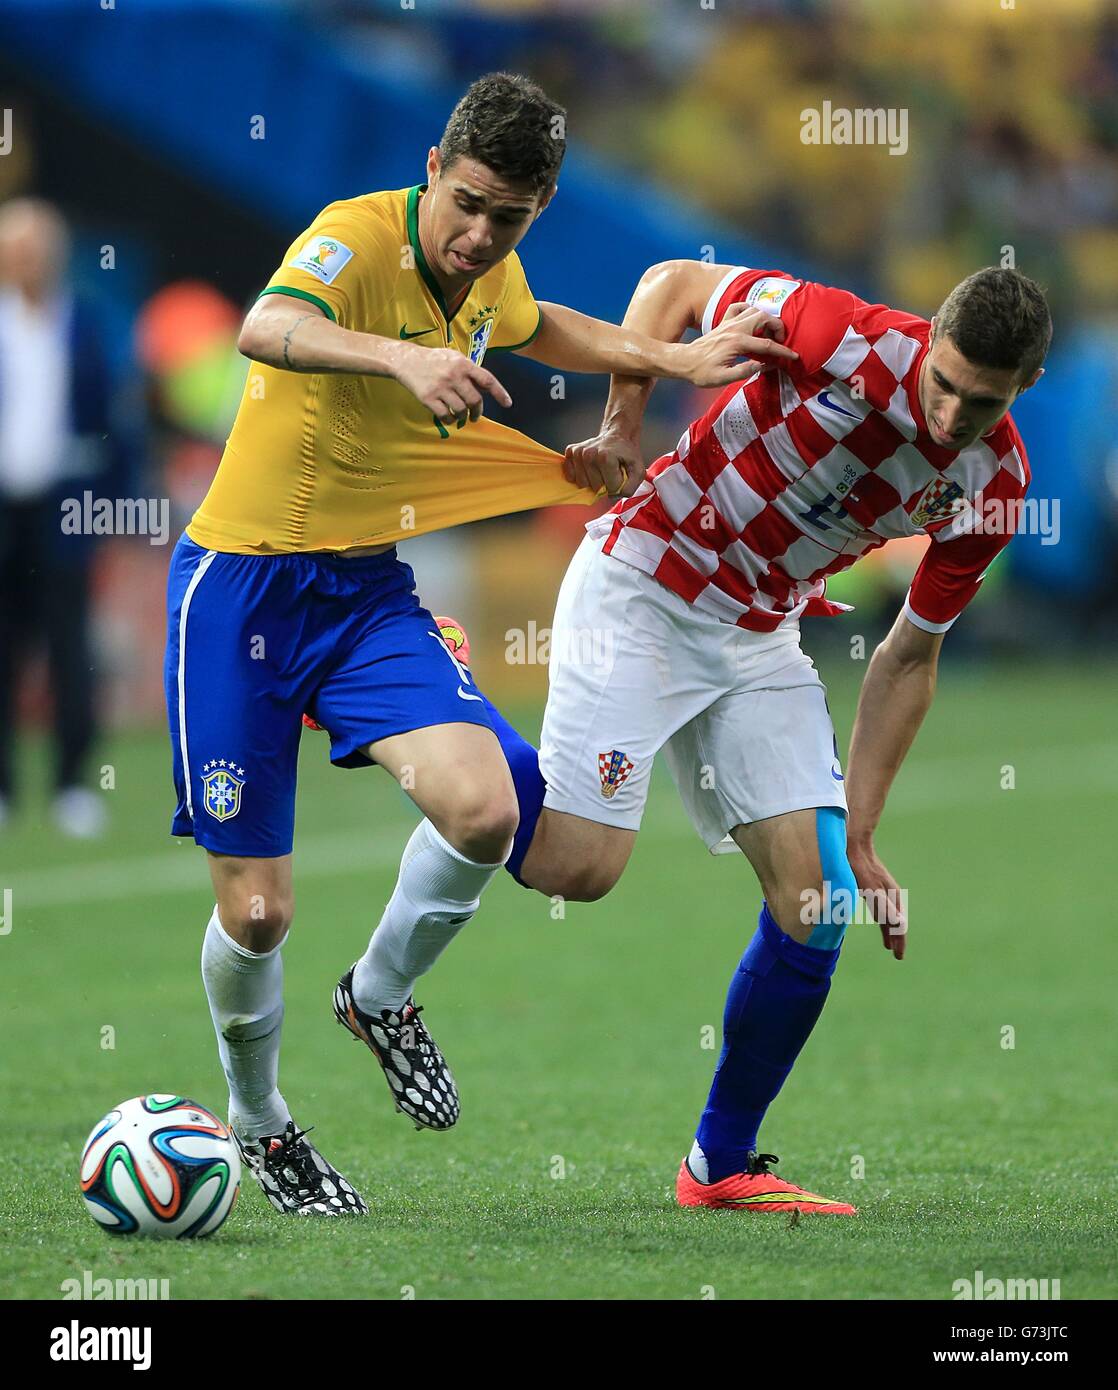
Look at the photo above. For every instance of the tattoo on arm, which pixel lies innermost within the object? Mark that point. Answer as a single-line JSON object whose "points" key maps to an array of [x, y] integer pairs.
{"points": [[287, 362]]}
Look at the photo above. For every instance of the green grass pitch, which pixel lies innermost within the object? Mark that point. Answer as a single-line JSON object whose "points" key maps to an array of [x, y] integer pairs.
{"points": [[578, 1043]]}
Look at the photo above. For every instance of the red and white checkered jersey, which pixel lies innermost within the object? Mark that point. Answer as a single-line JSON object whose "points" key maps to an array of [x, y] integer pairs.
{"points": [[794, 475]]}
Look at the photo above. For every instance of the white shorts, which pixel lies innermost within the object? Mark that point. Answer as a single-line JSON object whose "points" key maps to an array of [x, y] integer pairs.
{"points": [[742, 716]]}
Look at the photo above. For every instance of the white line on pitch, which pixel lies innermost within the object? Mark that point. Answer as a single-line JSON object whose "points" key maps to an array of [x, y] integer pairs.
{"points": [[929, 785], [184, 871]]}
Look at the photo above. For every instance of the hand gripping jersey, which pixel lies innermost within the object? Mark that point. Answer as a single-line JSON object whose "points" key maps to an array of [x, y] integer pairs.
{"points": [[797, 473], [335, 461]]}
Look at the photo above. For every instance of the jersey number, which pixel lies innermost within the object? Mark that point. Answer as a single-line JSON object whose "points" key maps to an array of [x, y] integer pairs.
{"points": [[826, 506]]}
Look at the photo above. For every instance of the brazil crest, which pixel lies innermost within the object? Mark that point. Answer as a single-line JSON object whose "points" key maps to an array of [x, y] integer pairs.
{"points": [[222, 782], [481, 326]]}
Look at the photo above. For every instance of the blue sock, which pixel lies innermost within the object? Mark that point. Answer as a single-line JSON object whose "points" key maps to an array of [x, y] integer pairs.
{"points": [[775, 997], [524, 764]]}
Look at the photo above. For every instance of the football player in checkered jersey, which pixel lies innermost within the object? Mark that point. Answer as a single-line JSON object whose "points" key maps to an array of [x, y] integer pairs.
{"points": [[677, 628]]}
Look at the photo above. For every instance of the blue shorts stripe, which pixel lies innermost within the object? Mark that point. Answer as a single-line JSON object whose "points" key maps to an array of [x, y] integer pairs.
{"points": [[203, 565]]}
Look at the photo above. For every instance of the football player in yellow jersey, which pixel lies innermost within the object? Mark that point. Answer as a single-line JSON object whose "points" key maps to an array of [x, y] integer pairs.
{"points": [[363, 425]]}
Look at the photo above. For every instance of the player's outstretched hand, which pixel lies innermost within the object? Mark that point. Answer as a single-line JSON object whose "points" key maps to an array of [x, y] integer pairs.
{"points": [[606, 461], [883, 896], [715, 359], [447, 383]]}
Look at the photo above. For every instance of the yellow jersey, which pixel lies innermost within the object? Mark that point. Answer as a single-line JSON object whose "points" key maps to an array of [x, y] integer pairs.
{"points": [[336, 462]]}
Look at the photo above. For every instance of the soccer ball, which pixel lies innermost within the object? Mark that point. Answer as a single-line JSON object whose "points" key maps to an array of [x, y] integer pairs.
{"points": [[160, 1166]]}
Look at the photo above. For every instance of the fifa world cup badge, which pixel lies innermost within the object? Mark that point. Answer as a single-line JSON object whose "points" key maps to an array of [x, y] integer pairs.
{"points": [[222, 781], [613, 768]]}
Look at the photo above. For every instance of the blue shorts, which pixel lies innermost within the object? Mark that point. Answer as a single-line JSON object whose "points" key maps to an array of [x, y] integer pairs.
{"points": [[253, 641]]}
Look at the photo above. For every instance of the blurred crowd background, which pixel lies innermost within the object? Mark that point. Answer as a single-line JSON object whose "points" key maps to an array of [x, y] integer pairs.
{"points": [[177, 148]]}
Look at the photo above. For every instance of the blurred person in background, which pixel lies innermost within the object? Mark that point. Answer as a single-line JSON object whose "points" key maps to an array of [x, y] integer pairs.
{"points": [[54, 421]]}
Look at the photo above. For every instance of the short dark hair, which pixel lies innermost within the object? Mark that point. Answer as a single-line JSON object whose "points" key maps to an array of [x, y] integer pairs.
{"points": [[509, 124], [998, 317]]}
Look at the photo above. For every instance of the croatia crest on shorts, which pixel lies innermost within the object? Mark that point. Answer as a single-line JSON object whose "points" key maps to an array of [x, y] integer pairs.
{"points": [[222, 781], [613, 768], [938, 501]]}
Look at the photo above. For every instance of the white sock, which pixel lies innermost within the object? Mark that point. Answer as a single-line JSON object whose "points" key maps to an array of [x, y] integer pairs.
{"points": [[697, 1162], [437, 893], [245, 992]]}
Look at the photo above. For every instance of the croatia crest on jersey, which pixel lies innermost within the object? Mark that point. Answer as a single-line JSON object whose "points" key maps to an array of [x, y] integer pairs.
{"points": [[939, 500], [221, 786], [613, 768]]}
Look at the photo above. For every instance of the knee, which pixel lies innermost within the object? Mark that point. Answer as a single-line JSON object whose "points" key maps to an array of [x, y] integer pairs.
{"points": [[821, 909], [817, 913], [576, 883], [481, 824], [258, 921], [796, 907]]}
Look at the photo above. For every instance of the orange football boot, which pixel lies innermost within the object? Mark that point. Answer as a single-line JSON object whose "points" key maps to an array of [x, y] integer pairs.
{"points": [[454, 635], [457, 644], [754, 1190]]}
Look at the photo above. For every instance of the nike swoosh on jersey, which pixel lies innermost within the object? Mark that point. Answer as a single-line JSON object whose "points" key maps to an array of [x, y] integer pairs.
{"points": [[405, 334], [464, 695], [831, 405]]}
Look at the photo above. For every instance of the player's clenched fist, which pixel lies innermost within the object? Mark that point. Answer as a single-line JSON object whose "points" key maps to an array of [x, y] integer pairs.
{"points": [[715, 358], [447, 383], [606, 461]]}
